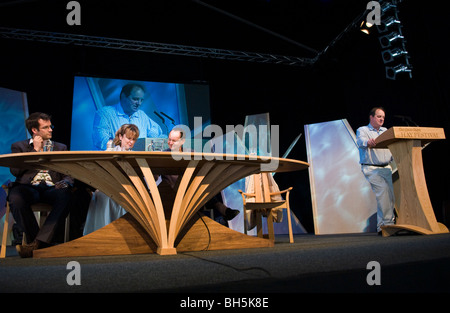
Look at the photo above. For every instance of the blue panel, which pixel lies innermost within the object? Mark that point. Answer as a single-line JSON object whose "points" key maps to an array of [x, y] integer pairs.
{"points": [[343, 201], [14, 108]]}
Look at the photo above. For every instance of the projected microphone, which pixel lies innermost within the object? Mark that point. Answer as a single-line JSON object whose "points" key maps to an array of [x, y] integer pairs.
{"points": [[163, 120], [171, 119], [159, 115]]}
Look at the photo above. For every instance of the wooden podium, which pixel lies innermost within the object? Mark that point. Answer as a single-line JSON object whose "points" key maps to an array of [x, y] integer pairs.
{"points": [[414, 210]]}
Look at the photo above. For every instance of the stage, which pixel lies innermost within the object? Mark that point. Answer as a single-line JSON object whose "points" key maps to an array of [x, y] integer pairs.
{"points": [[313, 264]]}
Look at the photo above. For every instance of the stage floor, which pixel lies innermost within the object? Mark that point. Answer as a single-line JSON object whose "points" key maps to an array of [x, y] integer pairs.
{"points": [[313, 264]]}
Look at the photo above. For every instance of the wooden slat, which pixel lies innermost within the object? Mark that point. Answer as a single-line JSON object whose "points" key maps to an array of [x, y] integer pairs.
{"points": [[231, 175], [150, 179], [187, 207], [173, 231], [140, 209], [143, 192]]}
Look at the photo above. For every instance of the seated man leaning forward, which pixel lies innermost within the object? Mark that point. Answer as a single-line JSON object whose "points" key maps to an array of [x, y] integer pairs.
{"points": [[33, 186], [175, 143]]}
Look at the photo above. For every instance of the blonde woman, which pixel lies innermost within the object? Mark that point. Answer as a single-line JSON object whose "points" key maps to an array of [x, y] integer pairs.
{"points": [[126, 137], [102, 209]]}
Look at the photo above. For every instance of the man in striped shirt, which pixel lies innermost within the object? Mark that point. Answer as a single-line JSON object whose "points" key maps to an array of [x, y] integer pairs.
{"points": [[375, 164], [108, 119]]}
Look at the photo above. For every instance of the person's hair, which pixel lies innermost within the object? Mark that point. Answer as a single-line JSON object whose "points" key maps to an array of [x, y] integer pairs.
{"points": [[33, 120], [129, 130], [373, 110], [180, 130], [126, 90]]}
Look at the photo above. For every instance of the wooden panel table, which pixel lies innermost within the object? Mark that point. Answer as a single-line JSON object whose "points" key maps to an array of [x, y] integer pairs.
{"points": [[160, 219]]}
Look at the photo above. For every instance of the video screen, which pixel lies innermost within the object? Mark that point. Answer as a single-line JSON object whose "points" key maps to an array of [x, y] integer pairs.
{"points": [[98, 112]]}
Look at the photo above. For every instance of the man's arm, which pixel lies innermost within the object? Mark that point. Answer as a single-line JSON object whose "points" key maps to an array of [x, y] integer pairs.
{"points": [[362, 138], [101, 131], [19, 147]]}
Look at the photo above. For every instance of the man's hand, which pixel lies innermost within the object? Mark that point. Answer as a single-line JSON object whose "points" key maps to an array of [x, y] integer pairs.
{"points": [[371, 143], [61, 184], [38, 143]]}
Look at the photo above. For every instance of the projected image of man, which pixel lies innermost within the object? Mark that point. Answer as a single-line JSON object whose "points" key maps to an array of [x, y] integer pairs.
{"points": [[109, 118]]}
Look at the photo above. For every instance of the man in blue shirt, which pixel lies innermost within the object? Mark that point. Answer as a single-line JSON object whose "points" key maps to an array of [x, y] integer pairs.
{"points": [[375, 164], [108, 119]]}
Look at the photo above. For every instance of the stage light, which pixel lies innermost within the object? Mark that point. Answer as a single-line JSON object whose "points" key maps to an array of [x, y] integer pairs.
{"points": [[386, 41], [365, 27], [392, 20], [386, 6], [391, 72], [389, 55]]}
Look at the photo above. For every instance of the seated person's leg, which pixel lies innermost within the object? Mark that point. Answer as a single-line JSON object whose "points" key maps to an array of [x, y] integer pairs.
{"points": [[20, 199]]}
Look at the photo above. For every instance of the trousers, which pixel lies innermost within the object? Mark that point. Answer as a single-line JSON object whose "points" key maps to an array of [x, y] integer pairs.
{"points": [[22, 196], [380, 179]]}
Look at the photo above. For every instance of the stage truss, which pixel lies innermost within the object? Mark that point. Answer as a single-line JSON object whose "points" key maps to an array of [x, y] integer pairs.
{"points": [[151, 47]]}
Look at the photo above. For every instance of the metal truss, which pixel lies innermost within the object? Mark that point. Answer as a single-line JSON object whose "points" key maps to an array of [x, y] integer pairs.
{"points": [[151, 47]]}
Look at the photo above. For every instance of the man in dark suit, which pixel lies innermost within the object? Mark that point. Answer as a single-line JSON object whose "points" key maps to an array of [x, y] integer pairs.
{"points": [[34, 185]]}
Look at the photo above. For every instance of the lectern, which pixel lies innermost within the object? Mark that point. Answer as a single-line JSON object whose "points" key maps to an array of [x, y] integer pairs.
{"points": [[414, 210]]}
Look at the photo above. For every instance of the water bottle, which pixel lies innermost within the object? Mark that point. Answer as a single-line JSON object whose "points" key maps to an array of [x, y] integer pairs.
{"points": [[110, 145]]}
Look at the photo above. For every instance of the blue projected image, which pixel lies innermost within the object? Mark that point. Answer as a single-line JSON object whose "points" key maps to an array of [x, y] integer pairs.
{"points": [[165, 104]]}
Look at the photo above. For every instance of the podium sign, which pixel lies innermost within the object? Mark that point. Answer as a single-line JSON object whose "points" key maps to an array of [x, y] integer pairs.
{"points": [[424, 134], [414, 210]]}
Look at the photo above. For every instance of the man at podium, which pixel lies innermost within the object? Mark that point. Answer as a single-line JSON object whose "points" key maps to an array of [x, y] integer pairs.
{"points": [[109, 119], [375, 164]]}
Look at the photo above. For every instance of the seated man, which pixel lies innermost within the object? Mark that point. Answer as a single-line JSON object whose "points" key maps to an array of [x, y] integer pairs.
{"points": [[34, 185], [175, 143]]}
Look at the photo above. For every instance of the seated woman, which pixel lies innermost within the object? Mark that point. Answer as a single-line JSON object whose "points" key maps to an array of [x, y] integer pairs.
{"points": [[102, 209]]}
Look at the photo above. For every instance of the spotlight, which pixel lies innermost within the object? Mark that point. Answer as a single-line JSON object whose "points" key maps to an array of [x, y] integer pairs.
{"points": [[391, 72], [386, 41], [365, 27], [389, 55]]}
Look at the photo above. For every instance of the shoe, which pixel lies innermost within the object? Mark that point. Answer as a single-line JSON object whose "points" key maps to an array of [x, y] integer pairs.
{"points": [[230, 214], [26, 250]]}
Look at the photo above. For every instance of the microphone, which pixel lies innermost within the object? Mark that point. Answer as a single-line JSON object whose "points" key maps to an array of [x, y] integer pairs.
{"points": [[406, 119], [163, 120], [170, 119], [159, 115]]}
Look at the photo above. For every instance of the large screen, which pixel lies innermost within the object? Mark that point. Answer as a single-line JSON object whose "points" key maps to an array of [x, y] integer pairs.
{"points": [[165, 104]]}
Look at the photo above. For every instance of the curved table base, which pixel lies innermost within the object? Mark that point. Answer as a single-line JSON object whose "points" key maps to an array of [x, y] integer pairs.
{"points": [[126, 236]]}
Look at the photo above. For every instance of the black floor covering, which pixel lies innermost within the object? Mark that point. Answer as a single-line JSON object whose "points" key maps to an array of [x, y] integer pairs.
{"points": [[313, 264]]}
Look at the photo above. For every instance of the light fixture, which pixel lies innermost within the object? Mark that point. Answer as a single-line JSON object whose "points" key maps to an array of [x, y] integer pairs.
{"points": [[386, 6], [365, 27], [384, 26], [389, 55], [386, 41], [391, 72]]}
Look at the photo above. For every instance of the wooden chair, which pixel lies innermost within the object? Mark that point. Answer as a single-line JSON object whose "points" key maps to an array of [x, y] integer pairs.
{"points": [[43, 209], [262, 203]]}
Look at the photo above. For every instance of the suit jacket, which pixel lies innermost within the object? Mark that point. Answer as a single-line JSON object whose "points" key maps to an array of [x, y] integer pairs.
{"points": [[25, 176]]}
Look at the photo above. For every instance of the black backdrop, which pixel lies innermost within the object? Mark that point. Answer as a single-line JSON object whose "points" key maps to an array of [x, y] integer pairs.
{"points": [[347, 81]]}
